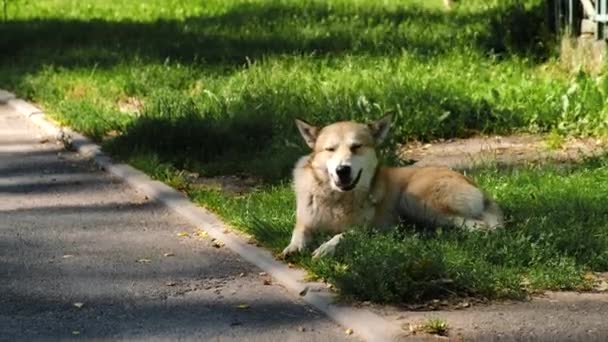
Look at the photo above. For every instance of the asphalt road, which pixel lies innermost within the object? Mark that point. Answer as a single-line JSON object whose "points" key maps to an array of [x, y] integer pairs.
{"points": [[83, 255]]}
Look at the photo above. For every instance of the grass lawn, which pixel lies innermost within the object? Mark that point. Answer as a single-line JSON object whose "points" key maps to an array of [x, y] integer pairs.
{"points": [[212, 87]]}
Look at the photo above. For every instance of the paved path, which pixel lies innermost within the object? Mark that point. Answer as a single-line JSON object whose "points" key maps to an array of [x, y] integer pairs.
{"points": [[82, 254]]}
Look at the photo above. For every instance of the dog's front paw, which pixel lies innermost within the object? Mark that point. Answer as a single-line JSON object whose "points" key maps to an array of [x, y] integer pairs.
{"points": [[291, 249], [326, 249]]}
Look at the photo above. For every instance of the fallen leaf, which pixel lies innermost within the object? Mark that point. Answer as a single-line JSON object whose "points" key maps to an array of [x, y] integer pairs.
{"points": [[217, 244], [243, 306], [67, 256], [266, 282], [348, 331], [78, 304], [143, 261], [241, 274], [602, 286], [263, 274], [201, 234], [589, 276], [170, 254], [170, 283], [183, 234]]}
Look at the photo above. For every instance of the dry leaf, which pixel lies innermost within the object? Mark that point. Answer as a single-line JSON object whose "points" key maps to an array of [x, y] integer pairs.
{"points": [[589, 276], [78, 304], [217, 244], [602, 286], [143, 261], [170, 254], [183, 234], [243, 306], [170, 283], [348, 331], [67, 256], [201, 234], [266, 282], [263, 274]]}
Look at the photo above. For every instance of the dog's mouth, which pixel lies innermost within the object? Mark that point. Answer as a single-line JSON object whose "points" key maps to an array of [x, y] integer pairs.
{"points": [[351, 185]]}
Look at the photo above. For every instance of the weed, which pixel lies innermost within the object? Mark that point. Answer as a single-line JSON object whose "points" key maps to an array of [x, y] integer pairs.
{"points": [[435, 326]]}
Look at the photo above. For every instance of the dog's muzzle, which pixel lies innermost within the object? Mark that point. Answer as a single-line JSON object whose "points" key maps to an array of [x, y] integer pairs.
{"points": [[345, 182]]}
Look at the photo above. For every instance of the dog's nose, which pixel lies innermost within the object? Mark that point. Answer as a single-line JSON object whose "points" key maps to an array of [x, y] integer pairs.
{"points": [[343, 172]]}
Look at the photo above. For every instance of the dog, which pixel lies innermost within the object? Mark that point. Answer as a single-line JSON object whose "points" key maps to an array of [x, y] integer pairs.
{"points": [[341, 185]]}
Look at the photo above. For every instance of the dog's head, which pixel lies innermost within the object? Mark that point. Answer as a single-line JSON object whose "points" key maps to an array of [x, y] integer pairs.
{"points": [[345, 152]]}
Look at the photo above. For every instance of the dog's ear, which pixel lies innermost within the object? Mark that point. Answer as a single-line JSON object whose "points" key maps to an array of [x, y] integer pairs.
{"points": [[308, 132], [380, 128]]}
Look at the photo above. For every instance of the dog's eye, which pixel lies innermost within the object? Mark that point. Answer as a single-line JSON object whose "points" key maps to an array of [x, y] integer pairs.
{"points": [[330, 149], [355, 147]]}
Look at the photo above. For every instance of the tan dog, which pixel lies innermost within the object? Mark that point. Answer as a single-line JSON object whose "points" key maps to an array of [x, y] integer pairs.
{"points": [[340, 185]]}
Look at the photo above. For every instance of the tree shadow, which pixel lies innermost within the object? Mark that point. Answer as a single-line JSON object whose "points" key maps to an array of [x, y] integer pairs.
{"points": [[263, 142], [249, 31]]}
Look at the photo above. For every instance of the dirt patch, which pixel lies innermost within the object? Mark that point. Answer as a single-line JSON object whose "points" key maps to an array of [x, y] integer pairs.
{"points": [[502, 150], [130, 105], [554, 316]]}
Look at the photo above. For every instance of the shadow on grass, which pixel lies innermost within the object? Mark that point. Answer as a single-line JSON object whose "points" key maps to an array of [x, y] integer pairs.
{"points": [[262, 141], [252, 30]]}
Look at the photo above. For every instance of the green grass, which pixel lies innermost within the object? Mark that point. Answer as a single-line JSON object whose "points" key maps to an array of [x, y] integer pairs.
{"points": [[213, 88], [435, 326]]}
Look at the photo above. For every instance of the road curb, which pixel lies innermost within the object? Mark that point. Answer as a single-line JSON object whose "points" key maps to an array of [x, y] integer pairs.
{"points": [[363, 322]]}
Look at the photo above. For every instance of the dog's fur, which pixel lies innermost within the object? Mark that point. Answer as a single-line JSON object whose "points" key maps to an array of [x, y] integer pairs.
{"points": [[340, 185]]}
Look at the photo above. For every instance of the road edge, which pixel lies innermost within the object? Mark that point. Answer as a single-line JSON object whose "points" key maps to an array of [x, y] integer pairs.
{"points": [[363, 322]]}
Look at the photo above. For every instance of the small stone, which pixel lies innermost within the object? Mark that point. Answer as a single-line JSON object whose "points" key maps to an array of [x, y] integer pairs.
{"points": [[301, 329], [348, 331], [78, 304], [170, 254], [170, 283], [241, 274], [263, 274], [75, 332]]}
